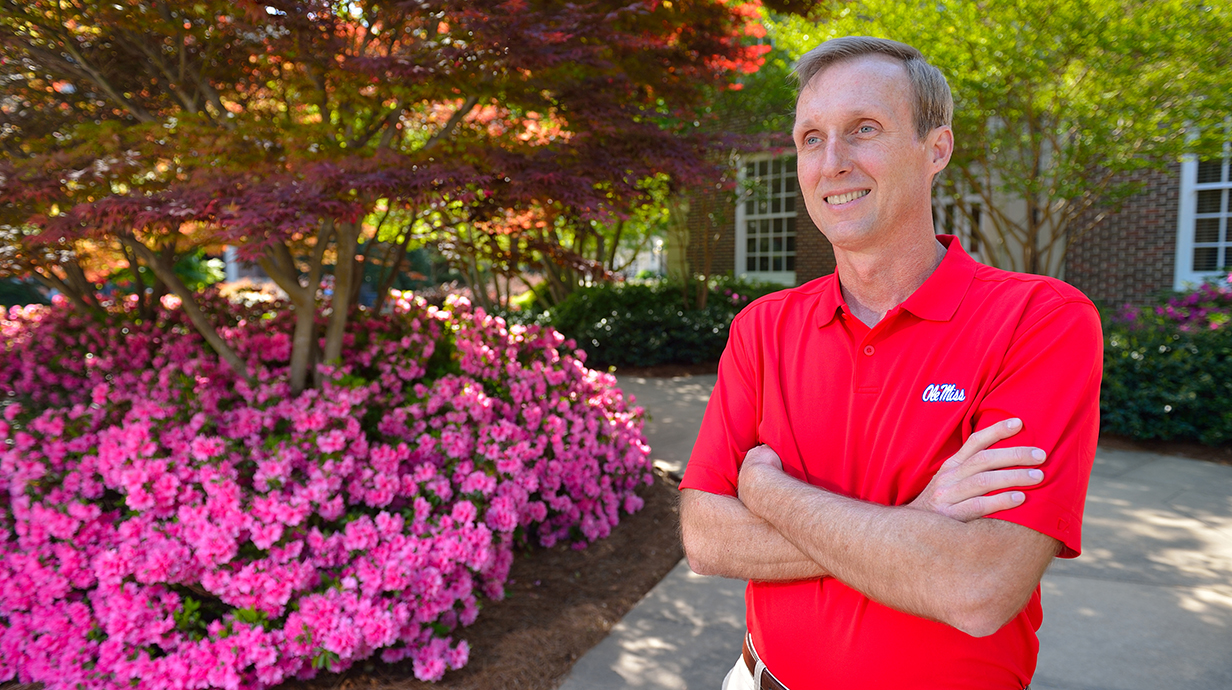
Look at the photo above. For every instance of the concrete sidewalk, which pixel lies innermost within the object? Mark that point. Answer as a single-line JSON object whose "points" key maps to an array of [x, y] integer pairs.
{"points": [[1147, 606]]}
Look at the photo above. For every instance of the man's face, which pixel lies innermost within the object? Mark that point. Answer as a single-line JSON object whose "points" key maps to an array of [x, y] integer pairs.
{"points": [[865, 177]]}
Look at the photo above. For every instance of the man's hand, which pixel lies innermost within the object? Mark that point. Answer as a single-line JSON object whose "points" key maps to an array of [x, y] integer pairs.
{"points": [[723, 538], [963, 488], [762, 456], [933, 558]]}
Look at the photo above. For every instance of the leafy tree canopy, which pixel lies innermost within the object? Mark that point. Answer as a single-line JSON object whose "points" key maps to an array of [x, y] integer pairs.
{"points": [[280, 127], [1054, 101]]}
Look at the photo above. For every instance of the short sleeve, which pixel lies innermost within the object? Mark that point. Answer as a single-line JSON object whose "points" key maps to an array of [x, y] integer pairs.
{"points": [[729, 426], [1050, 379]]}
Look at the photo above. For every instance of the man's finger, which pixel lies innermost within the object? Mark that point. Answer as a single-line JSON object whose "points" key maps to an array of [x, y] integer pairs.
{"points": [[989, 435], [950, 497], [999, 458], [983, 439], [982, 506], [996, 480]]}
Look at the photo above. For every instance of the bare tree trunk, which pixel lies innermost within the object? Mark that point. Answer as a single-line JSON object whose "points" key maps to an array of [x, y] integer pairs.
{"points": [[678, 229], [166, 273], [611, 256], [479, 289], [76, 277], [279, 264], [346, 239], [387, 281], [556, 286], [145, 309], [361, 262], [500, 300]]}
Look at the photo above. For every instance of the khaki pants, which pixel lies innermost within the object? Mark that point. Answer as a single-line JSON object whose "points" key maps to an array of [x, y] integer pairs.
{"points": [[739, 677]]}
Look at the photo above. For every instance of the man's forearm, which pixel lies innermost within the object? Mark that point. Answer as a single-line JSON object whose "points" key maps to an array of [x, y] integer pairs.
{"points": [[721, 537], [973, 576]]}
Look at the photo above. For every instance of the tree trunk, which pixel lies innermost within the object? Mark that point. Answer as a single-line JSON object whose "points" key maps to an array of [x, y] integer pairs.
{"points": [[166, 273], [74, 276], [479, 288], [279, 264], [48, 277], [611, 256], [346, 241], [357, 279], [387, 281], [145, 308], [303, 338], [678, 237]]}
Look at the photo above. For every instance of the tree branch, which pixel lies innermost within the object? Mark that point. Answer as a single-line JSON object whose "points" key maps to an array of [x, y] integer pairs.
{"points": [[461, 112], [188, 300]]}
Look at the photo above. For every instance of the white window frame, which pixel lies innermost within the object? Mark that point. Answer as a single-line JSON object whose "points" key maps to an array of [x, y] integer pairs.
{"points": [[1185, 276], [780, 277]]}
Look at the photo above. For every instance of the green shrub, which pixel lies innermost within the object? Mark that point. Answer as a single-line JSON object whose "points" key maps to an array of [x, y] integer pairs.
{"points": [[19, 292], [644, 324], [1162, 382]]}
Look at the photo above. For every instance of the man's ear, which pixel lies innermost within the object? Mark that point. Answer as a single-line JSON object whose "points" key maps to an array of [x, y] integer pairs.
{"points": [[940, 144]]}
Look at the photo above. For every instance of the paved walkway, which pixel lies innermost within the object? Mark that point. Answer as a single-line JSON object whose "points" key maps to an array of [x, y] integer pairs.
{"points": [[1147, 606]]}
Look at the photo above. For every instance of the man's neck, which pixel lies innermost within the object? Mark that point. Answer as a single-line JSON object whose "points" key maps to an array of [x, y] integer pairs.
{"points": [[874, 282]]}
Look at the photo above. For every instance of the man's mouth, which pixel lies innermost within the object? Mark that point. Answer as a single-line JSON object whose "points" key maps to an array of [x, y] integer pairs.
{"points": [[844, 198]]}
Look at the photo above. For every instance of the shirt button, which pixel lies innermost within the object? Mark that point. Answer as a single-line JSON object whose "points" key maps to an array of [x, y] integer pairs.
{"points": [[868, 350]]}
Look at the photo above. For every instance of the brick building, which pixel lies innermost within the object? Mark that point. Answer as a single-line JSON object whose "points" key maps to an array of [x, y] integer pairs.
{"points": [[1177, 231]]}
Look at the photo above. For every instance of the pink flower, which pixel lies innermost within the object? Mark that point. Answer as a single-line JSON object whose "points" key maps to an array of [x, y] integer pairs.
{"points": [[204, 448], [332, 442], [502, 516], [464, 512], [264, 500]]}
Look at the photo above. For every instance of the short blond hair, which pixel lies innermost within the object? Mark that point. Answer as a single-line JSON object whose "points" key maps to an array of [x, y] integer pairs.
{"points": [[933, 106]]}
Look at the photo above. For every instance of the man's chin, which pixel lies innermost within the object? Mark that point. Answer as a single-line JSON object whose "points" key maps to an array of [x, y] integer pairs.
{"points": [[851, 235]]}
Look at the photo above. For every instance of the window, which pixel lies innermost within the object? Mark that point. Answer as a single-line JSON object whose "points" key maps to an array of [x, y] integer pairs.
{"points": [[766, 220], [1210, 226], [1204, 233]]}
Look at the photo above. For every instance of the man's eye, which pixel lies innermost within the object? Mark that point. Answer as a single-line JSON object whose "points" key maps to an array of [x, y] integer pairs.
{"points": [[810, 140], [867, 129]]}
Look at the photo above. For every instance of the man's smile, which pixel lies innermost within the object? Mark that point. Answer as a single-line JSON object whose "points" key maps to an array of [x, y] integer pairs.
{"points": [[838, 199]]}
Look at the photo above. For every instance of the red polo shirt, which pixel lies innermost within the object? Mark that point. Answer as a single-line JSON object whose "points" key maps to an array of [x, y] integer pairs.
{"points": [[872, 414]]}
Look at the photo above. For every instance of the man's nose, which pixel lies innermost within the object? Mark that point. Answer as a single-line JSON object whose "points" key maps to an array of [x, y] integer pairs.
{"points": [[835, 158]]}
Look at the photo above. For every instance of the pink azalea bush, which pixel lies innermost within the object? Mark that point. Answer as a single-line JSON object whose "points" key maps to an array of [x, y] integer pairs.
{"points": [[1207, 307], [168, 525]]}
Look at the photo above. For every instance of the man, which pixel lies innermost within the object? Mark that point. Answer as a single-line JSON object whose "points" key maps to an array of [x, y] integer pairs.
{"points": [[853, 461]]}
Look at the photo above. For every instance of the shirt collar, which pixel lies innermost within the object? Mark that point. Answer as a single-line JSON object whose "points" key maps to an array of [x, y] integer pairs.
{"points": [[936, 300]]}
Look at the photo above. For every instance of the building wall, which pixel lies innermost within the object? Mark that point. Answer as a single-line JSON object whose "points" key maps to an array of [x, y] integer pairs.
{"points": [[1131, 255], [710, 214], [814, 254], [707, 213]]}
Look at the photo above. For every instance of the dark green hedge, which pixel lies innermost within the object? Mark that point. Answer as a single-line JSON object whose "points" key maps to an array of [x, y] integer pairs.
{"points": [[645, 324], [1164, 383], [16, 292]]}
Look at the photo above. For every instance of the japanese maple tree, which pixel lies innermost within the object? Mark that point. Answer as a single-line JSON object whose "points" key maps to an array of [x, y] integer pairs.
{"points": [[280, 127]]}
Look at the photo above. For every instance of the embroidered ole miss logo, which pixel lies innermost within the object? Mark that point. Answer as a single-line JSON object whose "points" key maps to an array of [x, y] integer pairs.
{"points": [[943, 392]]}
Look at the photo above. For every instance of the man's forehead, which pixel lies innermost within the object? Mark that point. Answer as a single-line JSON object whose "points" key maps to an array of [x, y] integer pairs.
{"points": [[869, 65], [870, 79]]}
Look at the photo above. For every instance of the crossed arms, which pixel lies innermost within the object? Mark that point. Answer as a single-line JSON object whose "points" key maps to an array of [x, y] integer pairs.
{"points": [[937, 557]]}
